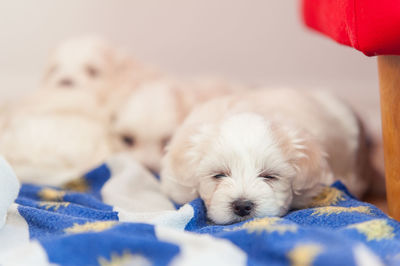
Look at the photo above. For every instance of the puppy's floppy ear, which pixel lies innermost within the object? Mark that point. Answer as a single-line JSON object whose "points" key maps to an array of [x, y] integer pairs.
{"points": [[179, 176], [122, 61], [312, 169]]}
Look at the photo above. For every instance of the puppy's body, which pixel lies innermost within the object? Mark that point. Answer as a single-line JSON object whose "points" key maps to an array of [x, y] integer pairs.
{"points": [[54, 135], [269, 149]]}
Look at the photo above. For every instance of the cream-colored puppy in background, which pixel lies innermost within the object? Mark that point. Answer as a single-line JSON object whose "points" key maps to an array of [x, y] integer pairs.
{"points": [[94, 64], [53, 135], [263, 153], [144, 124]]}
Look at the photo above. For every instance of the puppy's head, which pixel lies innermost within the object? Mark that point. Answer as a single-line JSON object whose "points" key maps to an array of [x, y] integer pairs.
{"points": [[145, 123], [244, 167], [84, 63]]}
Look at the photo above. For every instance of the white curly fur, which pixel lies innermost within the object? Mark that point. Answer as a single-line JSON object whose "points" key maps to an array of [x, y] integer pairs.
{"points": [[285, 134]]}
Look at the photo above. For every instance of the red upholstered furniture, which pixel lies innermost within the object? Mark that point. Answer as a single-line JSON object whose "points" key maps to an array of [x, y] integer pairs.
{"points": [[372, 27]]}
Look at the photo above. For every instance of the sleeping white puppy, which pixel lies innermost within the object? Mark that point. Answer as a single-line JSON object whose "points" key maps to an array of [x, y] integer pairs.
{"points": [[263, 153], [144, 124], [53, 136]]}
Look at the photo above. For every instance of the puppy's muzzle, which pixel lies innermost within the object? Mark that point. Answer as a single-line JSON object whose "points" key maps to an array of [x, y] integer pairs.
{"points": [[66, 82], [242, 207]]}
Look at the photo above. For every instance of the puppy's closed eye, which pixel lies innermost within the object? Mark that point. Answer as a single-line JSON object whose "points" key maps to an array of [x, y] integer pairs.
{"points": [[128, 140], [220, 175], [268, 176], [92, 71]]}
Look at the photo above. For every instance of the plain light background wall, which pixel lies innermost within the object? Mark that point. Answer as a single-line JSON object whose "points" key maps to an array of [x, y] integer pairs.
{"points": [[258, 41]]}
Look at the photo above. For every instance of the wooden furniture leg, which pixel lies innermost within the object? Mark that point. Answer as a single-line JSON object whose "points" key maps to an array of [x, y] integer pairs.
{"points": [[389, 79]]}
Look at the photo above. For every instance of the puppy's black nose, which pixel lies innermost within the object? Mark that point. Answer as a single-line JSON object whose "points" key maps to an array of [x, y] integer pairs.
{"points": [[66, 82], [242, 207]]}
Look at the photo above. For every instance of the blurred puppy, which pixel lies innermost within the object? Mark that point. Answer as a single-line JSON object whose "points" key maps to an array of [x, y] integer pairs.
{"points": [[91, 63], [145, 123], [54, 135], [264, 153]]}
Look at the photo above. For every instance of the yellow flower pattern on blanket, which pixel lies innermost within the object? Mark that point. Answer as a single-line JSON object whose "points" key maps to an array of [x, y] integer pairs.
{"points": [[304, 254], [90, 227], [338, 210], [79, 185], [375, 229], [268, 224], [48, 205], [125, 259], [328, 196], [49, 194]]}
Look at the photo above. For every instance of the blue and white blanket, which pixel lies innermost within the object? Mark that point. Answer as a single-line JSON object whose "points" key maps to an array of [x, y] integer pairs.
{"points": [[96, 221]]}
